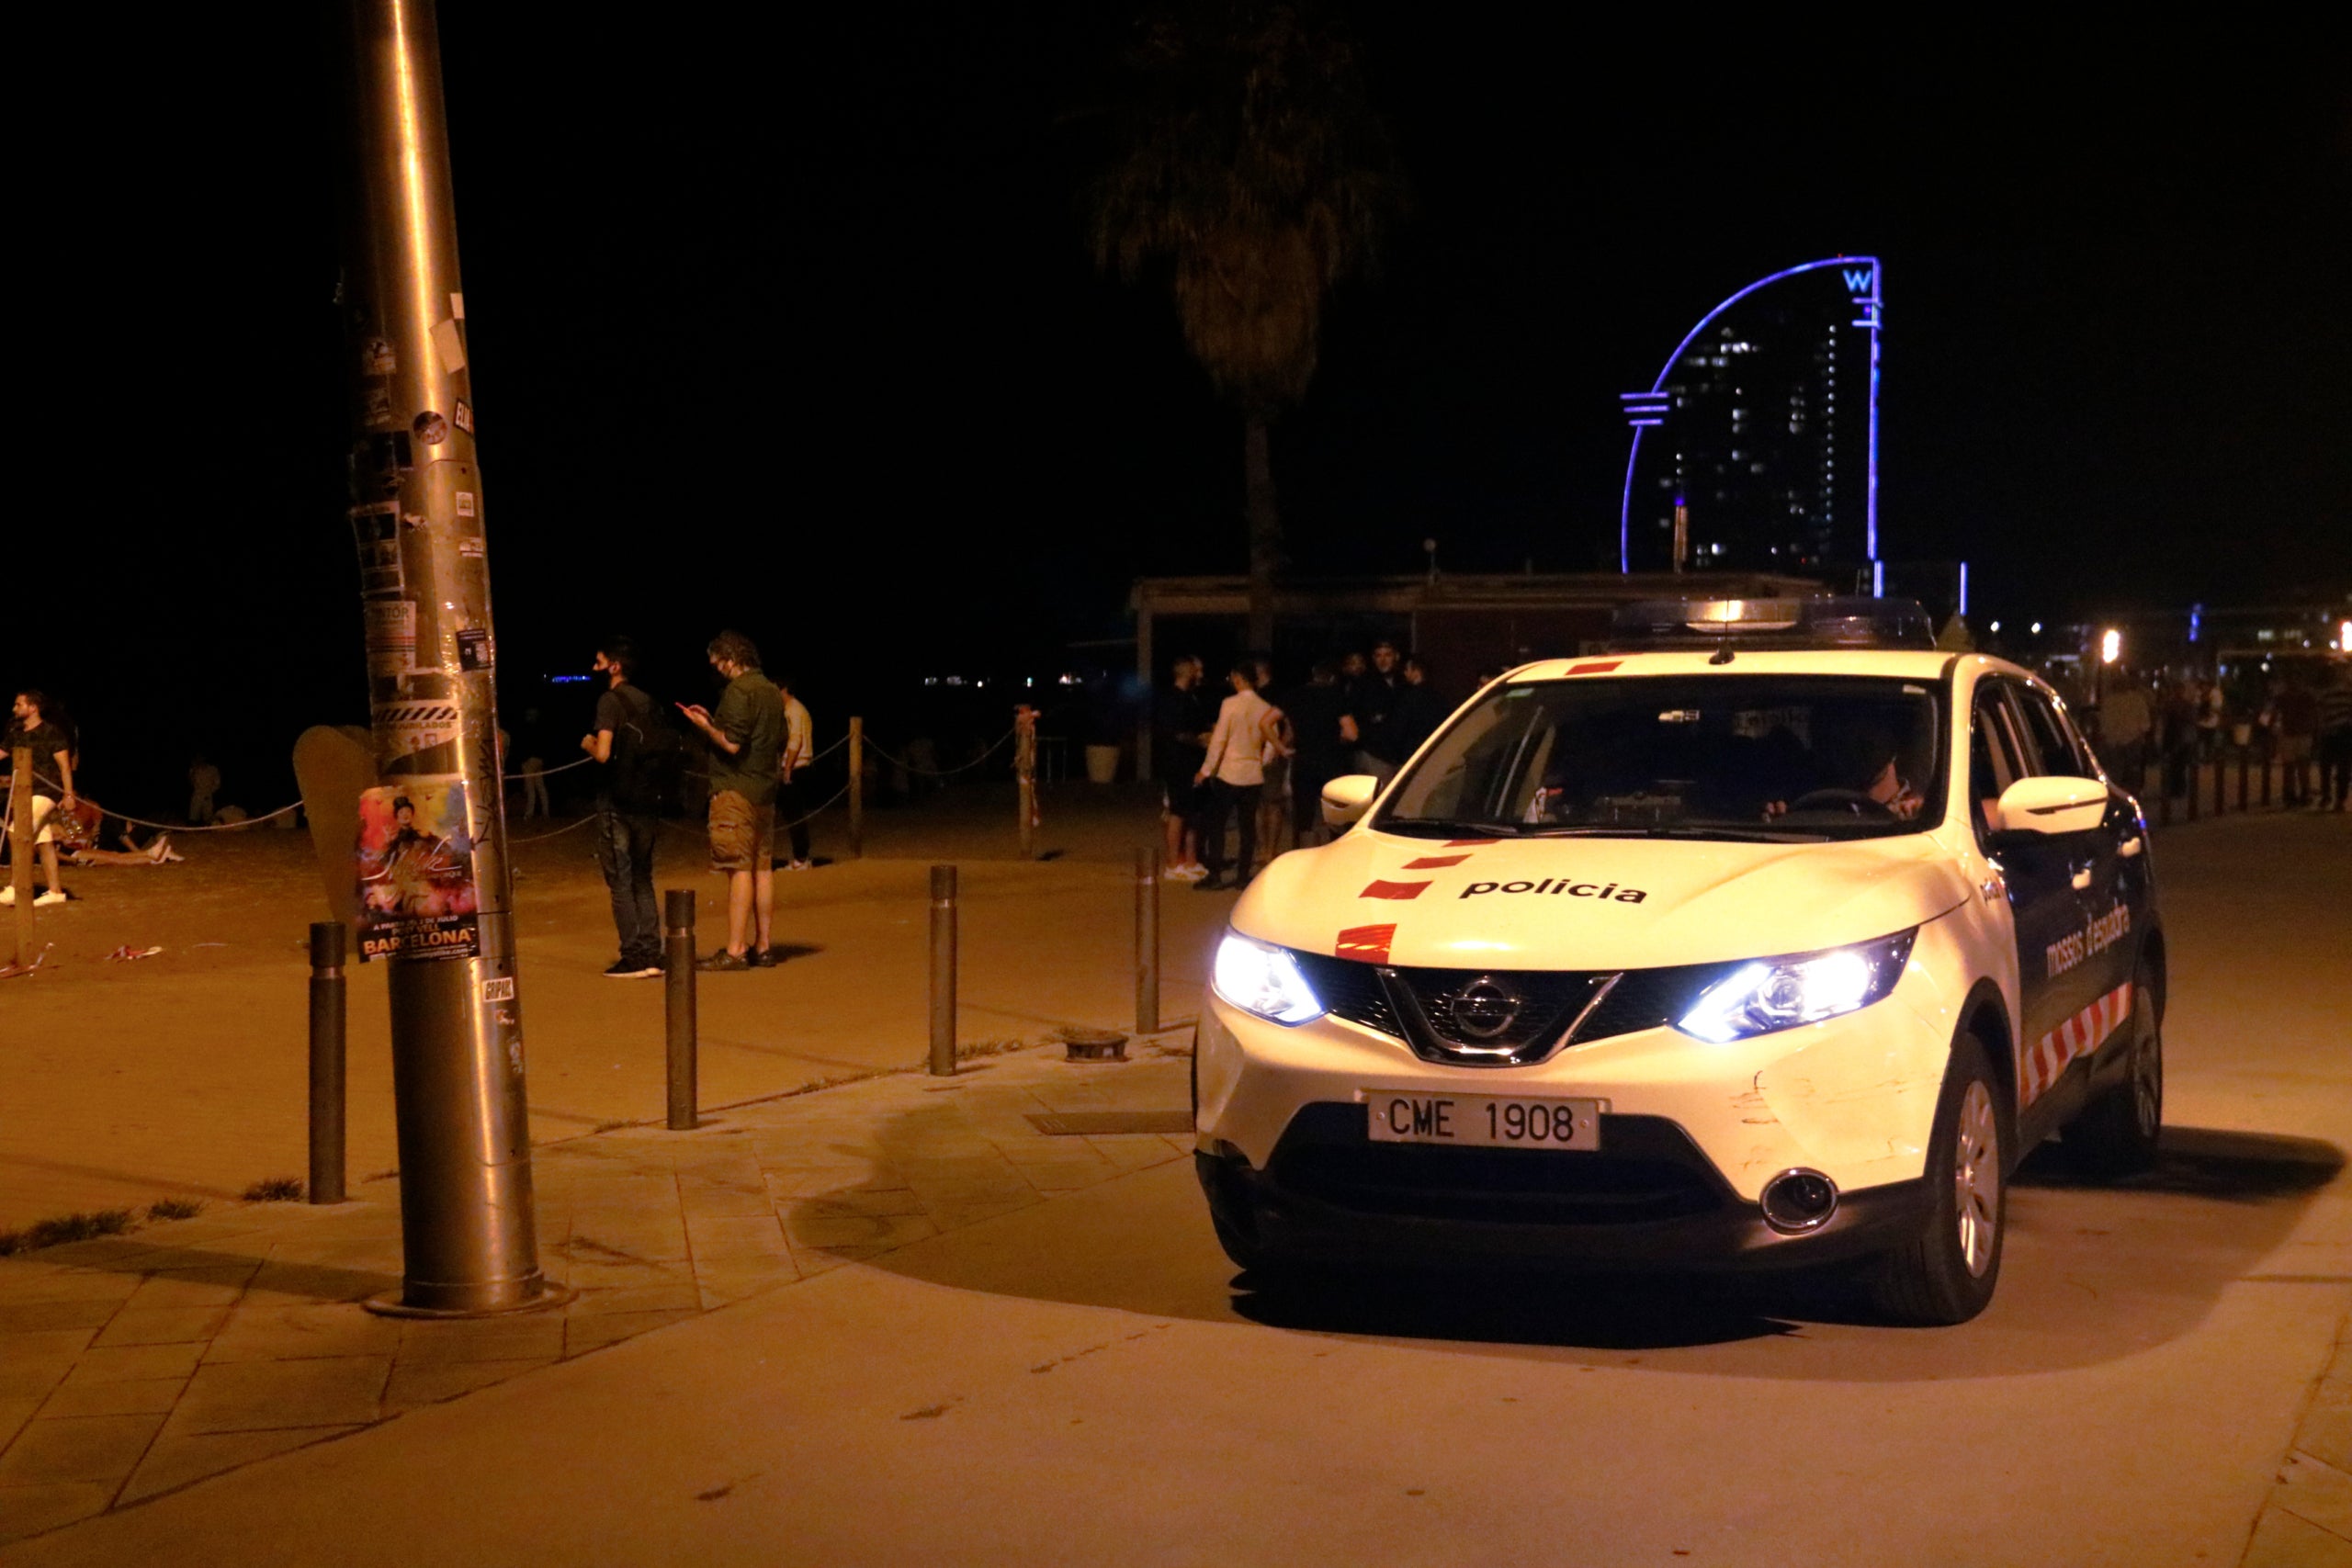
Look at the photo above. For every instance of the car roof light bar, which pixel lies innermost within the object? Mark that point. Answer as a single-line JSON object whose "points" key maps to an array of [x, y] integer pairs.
{"points": [[1834, 622]]}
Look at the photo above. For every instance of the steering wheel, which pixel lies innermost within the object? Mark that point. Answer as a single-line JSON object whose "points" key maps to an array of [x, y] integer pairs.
{"points": [[1857, 801]]}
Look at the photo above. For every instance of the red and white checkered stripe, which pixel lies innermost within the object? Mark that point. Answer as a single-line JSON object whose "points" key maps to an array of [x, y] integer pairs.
{"points": [[2078, 1036]]}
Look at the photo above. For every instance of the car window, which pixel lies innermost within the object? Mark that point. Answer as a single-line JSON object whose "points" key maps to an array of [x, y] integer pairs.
{"points": [[1825, 755], [2058, 750], [1993, 752]]}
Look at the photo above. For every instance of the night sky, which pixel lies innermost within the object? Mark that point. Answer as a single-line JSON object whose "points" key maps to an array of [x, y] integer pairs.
{"points": [[790, 326]]}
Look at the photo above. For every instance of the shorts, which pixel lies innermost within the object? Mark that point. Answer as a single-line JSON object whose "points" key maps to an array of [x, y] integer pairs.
{"points": [[742, 836], [42, 807]]}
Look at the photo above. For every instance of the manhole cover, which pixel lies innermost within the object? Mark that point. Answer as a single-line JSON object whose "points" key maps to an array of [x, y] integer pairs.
{"points": [[1105, 1124], [1092, 1044]]}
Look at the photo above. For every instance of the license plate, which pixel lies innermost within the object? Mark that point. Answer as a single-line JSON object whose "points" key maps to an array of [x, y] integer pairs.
{"points": [[1481, 1121]]}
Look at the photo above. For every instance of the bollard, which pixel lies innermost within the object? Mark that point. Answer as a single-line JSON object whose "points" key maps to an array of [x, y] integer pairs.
{"points": [[678, 996], [856, 788], [326, 1062], [2242, 772], [1146, 941], [1024, 766], [2266, 784], [2196, 784], [943, 971]]}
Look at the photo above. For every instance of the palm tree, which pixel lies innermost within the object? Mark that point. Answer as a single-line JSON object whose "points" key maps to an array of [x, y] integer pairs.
{"points": [[1252, 164]]}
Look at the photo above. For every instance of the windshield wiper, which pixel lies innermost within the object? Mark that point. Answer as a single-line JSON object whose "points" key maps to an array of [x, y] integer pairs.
{"points": [[1679, 831], [1448, 828]]}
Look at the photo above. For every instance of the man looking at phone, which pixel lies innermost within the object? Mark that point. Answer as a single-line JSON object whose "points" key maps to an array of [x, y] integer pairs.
{"points": [[746, 737]]}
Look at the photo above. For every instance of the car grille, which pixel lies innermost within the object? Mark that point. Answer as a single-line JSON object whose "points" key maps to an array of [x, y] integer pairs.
{"points": [[1502, 1018], [1647, 1170]]}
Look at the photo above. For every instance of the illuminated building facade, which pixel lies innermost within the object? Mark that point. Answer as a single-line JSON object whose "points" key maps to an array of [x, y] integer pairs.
{"points": [[1762, 431]]}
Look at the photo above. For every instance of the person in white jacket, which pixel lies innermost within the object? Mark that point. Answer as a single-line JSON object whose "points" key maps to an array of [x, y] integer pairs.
{"points": [[1235, 771]]}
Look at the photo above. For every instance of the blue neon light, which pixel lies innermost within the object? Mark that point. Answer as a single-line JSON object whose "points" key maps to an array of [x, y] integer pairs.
{"points": [[1878, 580], [1625, 555], [1861, 274], [1964, 588]]}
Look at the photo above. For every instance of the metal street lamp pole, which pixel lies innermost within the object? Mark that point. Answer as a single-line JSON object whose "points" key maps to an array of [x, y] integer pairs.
{"points": [[466, 1223]]}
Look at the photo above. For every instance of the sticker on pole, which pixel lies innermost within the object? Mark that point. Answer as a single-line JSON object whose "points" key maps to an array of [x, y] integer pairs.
{"points": [[498, 988], [375, 530], [391, 625], [415, 866], [477, 651], [406, 728]]}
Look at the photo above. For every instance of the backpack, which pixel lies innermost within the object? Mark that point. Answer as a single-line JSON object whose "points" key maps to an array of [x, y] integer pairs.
{"points": [[649, 758]]}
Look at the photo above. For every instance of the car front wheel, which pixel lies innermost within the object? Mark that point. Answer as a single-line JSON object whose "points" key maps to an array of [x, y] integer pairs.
{"points": [[1947, 1272]]}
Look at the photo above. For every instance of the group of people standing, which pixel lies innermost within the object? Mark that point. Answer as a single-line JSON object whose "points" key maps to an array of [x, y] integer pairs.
{"points": [[758, 745], [2296, 717], [1262, 755]]}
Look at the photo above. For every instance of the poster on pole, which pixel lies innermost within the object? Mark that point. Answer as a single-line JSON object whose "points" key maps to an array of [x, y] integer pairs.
{"points": [[415, 866]]}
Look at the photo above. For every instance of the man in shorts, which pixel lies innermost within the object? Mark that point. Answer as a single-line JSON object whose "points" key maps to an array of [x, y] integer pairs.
{"points": [[52, 782], [746, 737]]}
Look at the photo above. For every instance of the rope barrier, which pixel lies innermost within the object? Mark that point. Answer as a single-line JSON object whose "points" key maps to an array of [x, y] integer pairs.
{"points": [[943, 772], [583, 761], [559, 832]]}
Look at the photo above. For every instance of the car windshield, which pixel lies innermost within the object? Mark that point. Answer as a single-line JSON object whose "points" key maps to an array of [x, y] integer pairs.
{"points": [[1714, 756]]}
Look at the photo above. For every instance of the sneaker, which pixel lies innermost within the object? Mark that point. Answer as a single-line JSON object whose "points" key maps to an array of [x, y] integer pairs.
{"points": [[1190, 873], [802, 865], [7, 896], [722, 963], [761, 958], [51, 896], [623, 970], [1210, 884]]}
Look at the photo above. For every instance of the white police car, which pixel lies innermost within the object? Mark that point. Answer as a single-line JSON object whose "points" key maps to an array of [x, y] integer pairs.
{"points": [[1779, 938]]}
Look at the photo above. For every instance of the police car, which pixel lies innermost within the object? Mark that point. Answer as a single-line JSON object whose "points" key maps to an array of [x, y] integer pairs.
{"points": [[1776, 938]]}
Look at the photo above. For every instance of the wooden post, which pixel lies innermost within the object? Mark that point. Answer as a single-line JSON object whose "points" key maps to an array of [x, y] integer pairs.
{"points": [[20, 848], [856, 788], [1024, 764]]}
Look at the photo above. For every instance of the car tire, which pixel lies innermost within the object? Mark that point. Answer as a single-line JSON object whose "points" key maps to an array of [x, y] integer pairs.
{"points": [[1947, 1273], [2117, 1133]]}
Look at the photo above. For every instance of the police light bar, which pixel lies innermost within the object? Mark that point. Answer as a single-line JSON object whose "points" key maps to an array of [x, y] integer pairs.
{"points": [[1771, 623]]}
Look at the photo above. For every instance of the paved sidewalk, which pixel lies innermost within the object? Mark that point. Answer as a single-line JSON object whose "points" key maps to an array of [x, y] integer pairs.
{"points": [[132, 1366]]}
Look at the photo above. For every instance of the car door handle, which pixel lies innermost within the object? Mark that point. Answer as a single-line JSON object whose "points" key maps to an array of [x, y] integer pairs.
{"points": [[2131, 846], [2082, 877]]}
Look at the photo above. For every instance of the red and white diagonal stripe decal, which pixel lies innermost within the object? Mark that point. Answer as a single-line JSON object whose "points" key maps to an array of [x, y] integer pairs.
{"points": [[1367, 944], [2078, 1036], [1381, 889]]}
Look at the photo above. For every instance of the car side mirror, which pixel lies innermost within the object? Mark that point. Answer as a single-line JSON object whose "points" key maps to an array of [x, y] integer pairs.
{"points": [[1348, 798], [2049, 805]]}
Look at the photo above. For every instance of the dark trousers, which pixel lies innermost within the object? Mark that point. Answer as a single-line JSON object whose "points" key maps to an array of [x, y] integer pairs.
{"points": [[1224, 800], [1306, 781], [792, 814], [2335, 768], [625, 853]]}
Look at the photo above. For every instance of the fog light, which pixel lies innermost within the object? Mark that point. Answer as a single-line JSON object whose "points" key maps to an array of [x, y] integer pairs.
{"points": [[1799, 1201]]}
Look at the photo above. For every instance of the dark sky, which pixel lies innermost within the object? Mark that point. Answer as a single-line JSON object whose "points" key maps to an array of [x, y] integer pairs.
{"points": [[790, 326]]}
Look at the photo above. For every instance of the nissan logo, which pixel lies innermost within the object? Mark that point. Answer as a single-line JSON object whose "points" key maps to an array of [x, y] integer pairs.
{"points": [[1484, 1009]]}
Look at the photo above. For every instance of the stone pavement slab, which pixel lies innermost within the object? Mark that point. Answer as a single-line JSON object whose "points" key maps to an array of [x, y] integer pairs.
{"points": [[135, 1365]]}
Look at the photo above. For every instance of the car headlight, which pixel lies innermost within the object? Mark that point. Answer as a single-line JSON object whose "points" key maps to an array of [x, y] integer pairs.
{"points": [[1263, 980], [1781, 993]]}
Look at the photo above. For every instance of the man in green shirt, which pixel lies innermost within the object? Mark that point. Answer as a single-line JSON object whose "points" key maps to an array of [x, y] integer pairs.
{"points": [[746, 735]]}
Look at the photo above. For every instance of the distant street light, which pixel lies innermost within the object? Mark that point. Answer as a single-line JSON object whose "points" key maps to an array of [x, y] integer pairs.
{"points": [[2110, 645], [2344, 637]]}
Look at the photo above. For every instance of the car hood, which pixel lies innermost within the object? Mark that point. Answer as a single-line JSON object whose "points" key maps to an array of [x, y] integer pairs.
{"points": [[1593, 903]]}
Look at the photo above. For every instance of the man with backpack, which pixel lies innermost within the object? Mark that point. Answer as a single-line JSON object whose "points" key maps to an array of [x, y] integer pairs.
{"points": [[630, 743]]}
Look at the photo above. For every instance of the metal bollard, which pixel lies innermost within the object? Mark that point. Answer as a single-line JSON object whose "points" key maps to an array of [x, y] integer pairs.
{"points": [[327, 1013], [678, 997], [2242, 772], [943, 971], [1146, 941]]}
